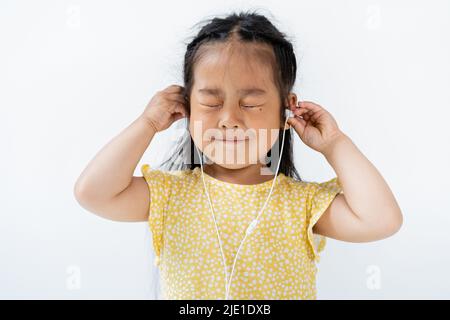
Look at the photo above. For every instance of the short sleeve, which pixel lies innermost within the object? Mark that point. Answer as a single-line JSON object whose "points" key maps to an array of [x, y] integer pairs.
{"points": [[159, 184], [320, 196]]}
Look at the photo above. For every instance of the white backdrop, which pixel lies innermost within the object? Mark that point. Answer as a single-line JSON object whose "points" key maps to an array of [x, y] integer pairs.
{"points": [[73, 74]]}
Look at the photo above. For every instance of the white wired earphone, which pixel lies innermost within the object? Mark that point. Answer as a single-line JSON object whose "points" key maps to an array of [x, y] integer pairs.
{"points": [[252, 225]]}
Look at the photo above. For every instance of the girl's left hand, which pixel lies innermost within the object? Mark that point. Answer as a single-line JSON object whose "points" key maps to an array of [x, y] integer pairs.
{"points": [[315, 126]]}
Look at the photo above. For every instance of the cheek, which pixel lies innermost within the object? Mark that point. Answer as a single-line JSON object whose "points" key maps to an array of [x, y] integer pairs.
{"points": [[266, 139], [270, 128], [199, 116], [196, 129], [200, 129]]}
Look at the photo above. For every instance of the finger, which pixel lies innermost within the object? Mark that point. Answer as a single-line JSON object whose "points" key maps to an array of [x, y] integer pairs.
{"points": [[293, 107], [298, 124], [304, 113], [174, 97], [315, 116], [313, 111], [180, 108], [173, 105], [177, 116], [300, 111], [306, 116], [174, 89], [305, 108], [310, 106], [302, 121]]}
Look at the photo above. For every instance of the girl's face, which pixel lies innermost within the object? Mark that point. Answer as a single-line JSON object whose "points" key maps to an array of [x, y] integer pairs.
{"points": [[235, 107]]}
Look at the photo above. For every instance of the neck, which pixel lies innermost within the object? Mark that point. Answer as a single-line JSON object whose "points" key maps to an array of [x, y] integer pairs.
{"points": [[248, 175]]}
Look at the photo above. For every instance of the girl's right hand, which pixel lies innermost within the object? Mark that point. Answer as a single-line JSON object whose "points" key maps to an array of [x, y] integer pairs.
{"points": [[166, 107]]}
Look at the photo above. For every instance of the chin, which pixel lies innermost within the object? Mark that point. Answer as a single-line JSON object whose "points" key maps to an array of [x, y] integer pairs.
{"points": [[233, 166], [233, 160]]}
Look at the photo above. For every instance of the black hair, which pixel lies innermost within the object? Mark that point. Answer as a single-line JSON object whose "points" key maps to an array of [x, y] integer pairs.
{"points": [[248, 27]]}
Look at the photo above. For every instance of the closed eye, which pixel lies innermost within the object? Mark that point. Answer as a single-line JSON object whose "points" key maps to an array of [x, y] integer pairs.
{"points": [[211, 106], [215, 106]]}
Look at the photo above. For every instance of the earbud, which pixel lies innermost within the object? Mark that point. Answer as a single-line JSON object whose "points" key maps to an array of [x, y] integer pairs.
{"points": [[288, 113]]}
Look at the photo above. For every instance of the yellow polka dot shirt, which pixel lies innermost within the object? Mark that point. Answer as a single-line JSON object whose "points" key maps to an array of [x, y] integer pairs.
{"points": [[277, 260]]}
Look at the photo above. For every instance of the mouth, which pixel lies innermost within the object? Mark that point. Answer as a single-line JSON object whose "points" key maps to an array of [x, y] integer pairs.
{"points": [[231, 140]]}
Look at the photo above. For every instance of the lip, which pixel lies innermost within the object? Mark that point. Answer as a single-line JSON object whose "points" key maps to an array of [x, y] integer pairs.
{"points": [[230, 141]]}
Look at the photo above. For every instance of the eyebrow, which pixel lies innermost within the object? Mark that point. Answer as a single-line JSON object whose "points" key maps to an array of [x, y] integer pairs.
{"points": [[254, 91]]}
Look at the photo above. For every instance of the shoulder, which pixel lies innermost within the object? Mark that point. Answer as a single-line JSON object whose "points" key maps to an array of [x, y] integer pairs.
{"points": [[167, 178], [290, 184], [328, 188], [313, 187], [311, 191]]}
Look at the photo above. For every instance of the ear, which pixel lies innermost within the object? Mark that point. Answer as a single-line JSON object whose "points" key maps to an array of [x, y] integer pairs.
{"points": [[289, 103]]}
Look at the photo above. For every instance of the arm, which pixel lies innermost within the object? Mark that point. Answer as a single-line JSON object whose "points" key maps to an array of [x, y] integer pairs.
{"points": [[107, 186], [367, 211]]}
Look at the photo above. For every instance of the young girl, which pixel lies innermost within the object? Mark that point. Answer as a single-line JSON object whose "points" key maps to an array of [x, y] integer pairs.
{"points": [[229, 229]]}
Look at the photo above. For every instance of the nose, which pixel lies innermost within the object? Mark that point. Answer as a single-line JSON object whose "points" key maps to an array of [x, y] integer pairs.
{"points": [[228, 125], [229, 120]]}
